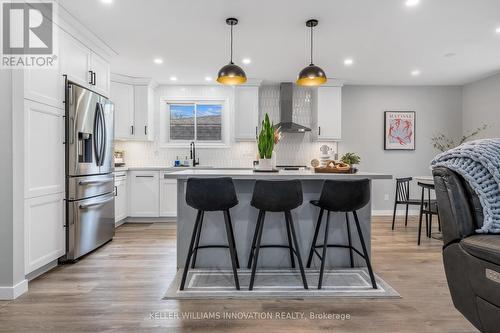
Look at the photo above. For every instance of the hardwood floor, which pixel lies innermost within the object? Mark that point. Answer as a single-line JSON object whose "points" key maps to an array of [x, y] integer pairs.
{"points": [[117, 288]]}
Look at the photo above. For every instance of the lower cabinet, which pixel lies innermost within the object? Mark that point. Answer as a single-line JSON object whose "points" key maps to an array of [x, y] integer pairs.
{"points": [[168, 196], [44, 231], [144, 194], [121, 202]]}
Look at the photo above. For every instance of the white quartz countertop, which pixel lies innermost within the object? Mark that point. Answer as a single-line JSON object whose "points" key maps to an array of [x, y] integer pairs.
{"points": [[282, 174]]}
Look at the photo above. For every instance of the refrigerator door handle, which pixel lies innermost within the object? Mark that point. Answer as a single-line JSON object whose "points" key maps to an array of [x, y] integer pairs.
{"points": [[97, 140], [104, 135]]}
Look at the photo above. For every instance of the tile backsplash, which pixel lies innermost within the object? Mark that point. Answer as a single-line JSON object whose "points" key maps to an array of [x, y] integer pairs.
{"points": [[293, 149]]}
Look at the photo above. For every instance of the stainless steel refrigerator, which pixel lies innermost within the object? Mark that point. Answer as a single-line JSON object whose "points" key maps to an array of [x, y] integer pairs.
{"points": [[90, 206]]}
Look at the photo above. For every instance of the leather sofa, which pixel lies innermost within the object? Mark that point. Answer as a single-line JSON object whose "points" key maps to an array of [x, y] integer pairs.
{"points": [[471, 260]]}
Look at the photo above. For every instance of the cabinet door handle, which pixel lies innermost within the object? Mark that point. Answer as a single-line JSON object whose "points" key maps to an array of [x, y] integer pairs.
{"points": [[146, 130], [319, 130], [132, 129], [91, 77], [116, 191], [144, 176]]}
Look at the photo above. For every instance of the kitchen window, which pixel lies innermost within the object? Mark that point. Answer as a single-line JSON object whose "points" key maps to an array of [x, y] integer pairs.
{"points": [[200, 121]]}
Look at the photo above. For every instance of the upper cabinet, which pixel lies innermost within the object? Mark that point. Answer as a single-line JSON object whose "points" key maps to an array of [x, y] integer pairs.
{"points": [[83, 66], [246, 110], [327, 113], [134, 108]]}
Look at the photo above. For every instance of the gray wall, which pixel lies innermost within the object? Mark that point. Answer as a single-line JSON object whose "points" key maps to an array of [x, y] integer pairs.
{"points": [[6, 201], [481, 104], [438, 108]]}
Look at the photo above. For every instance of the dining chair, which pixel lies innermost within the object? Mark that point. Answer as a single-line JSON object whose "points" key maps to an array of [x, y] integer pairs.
{"points": [[402, 197], [428, 207]]}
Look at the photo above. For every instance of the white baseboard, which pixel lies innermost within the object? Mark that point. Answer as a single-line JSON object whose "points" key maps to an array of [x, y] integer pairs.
{"points": [[389, 212], [150, 219], [9, 293]]}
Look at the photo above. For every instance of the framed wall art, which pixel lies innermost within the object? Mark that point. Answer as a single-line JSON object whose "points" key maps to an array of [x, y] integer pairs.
{"points": [[399, 130]]}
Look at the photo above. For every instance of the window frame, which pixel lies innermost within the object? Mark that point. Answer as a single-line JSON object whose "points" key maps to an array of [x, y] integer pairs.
{"points": [[166, 142]]}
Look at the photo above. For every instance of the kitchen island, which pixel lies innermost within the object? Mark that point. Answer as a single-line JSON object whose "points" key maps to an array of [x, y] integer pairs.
{"points": [[244, 219]]}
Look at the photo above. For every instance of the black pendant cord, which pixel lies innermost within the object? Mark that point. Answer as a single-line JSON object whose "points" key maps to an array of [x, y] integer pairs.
{"points": [[311, 45], [231, 61]]}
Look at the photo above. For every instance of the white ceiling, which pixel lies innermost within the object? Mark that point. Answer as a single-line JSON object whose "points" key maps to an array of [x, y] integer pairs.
{"points": [[386, 39]]}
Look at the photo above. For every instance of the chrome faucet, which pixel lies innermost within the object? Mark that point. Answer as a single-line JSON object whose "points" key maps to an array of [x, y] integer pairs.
{"points": [[192, 152]]}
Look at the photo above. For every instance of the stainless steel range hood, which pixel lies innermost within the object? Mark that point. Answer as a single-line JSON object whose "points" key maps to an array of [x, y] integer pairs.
{"points": [[286, 123]]}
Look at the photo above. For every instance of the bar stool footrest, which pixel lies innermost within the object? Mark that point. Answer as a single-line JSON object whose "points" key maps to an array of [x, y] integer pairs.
{"points": [[340, 246]]}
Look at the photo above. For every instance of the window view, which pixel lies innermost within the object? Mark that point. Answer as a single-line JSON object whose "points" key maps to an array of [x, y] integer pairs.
{"points": [[196, 122]]}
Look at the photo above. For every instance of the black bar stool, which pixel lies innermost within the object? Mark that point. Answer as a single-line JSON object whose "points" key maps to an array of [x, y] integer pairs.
{"points": [[211, 194], [341, 196], [428, 207], [276, 196]]}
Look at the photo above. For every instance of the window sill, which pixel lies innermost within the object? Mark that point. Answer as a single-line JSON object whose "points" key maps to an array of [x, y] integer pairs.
{"points": [[198, 145]]}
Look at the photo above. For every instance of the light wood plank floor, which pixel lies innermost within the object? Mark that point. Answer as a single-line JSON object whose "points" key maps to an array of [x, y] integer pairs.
{"points": [[116, 288]]}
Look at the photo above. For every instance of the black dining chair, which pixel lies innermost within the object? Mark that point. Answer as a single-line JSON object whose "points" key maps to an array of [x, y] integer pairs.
{"points": [[402, 197], [428, 207]]}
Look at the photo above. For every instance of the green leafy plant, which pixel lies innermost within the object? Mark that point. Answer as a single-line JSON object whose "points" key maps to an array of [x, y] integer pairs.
{"points": [[350, 158], [266, 138], [443, 143]]}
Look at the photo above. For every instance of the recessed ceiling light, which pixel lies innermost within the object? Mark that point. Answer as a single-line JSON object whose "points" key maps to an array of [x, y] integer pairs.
{"points": [[498, 30], [348, 62], [107, 1], [412, 3], [246, 61], [208, 78], [158, 61], [415, 72], [173, 78]]}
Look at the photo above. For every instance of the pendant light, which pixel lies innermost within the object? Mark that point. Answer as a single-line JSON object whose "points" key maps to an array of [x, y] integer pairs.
{"points": [[231, 74], [311, 75]]}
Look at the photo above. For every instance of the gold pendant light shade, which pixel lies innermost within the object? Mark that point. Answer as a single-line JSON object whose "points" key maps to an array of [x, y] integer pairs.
{"points": [[231, 74], [311, 75]]}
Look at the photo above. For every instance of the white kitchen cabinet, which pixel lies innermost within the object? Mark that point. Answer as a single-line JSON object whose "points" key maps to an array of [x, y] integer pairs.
{"points": [[44, 231], [168, 197], [143, 112], [144, 193], [327, 114], [43, 149], [83, 66], [101, 68], [121, 202], [122, 95], [246, 109], [134, 108]]}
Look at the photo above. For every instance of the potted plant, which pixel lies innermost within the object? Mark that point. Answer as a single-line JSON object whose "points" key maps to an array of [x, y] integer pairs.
{"points": [[266, 144], [351, 159]]}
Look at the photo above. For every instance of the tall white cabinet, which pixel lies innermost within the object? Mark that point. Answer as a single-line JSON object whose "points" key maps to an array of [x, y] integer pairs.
{"points": [[327, 113], [246, 112]]}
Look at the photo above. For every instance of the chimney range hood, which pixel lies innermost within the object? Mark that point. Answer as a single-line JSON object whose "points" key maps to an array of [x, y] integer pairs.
{"points": [[286, 123]]}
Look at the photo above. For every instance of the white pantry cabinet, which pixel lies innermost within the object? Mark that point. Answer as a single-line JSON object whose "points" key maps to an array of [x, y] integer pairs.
{"points": [[168, 196], [134, 108], [327, 113], [44, 231], [43, 149], [144, 194], [83, 66], [246, 110], [121, 198]]}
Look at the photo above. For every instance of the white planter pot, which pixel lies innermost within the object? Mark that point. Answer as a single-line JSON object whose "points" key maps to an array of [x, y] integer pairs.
{"points": [[265, 164]]}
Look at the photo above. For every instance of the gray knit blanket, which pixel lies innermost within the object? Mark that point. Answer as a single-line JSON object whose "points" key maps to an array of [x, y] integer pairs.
{"points": [[479, 163]]}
